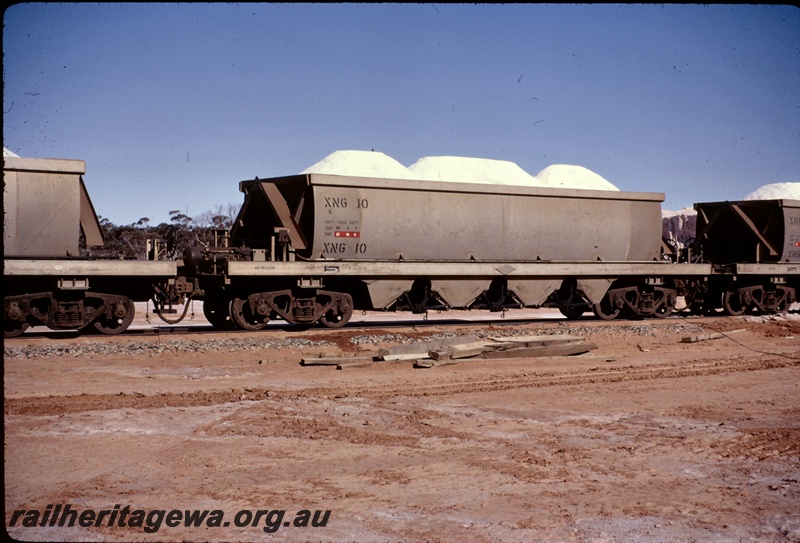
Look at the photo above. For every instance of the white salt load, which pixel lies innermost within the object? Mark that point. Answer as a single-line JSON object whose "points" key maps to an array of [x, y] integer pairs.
{"points": [[361, 164], [566, 176], [458, 169], [776, 191]]}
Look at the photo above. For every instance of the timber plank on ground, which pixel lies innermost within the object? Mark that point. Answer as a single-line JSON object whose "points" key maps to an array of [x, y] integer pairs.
{"points": [[706, 337], [466, 350], [568, 349], [421, 348], [334, 361]]}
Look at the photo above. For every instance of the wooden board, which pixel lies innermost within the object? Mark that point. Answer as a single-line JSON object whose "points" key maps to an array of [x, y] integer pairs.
{"points": [[467, 350], [705, 337], [334, 361], [539, 340], [568, 349], [422, 347]]}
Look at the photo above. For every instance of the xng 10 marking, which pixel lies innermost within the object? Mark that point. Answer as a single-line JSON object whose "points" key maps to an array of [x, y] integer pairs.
{"points": [[340, 202], [341, 248]]}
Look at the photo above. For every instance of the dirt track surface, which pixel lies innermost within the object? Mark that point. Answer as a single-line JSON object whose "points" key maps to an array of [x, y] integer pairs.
{"points": [[643, 439]]}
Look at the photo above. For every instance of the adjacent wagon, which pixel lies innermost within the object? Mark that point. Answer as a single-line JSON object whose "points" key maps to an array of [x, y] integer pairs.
{"points": [[46, 281]]}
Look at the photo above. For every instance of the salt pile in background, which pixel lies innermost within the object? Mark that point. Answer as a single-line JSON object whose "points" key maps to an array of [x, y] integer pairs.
{"points": [[666, 214], [566, 176], [773, 191], [681, 225], [776, 191], [457, 169]]}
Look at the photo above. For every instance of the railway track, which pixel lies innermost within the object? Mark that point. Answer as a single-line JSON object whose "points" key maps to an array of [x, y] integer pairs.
{"points": [[149, 325]]}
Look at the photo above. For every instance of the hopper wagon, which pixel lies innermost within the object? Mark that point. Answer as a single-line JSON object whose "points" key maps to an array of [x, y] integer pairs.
{"points": [[315, 247]]}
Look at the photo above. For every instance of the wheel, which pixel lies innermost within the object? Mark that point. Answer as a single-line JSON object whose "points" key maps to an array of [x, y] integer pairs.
{"points": [[14, 328], [570, 301], [122, 312], [334, 320], [605, 311], [14, 322], [216, 312], [340, 314], [664, 309], [572, 312], [732, 304], [243, 317]]}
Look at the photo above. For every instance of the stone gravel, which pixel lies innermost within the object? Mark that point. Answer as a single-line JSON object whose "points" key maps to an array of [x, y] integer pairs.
{"points": [[150, 348], [648, 329], [146, 348]]}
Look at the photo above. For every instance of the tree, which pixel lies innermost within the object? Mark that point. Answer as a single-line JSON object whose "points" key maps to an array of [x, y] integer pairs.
{"points": [[130, 241], [219, 218]]}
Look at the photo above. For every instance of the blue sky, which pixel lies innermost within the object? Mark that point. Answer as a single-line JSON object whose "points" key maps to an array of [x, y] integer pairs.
{"points": [[172, 104]]}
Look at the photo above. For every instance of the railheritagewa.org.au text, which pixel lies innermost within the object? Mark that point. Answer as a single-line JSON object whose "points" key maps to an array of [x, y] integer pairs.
{"points": [[153, 520]]}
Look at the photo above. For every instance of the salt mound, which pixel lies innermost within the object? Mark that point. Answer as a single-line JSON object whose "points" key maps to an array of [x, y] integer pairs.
{"points": [[361, 164], [776, 191], [471, 170], [10, 154], [566, 176], [687, 211]]}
